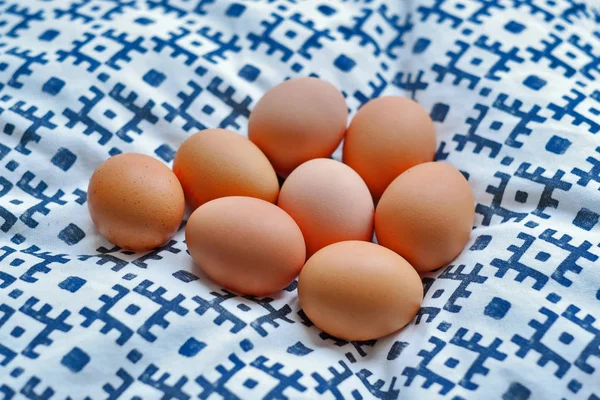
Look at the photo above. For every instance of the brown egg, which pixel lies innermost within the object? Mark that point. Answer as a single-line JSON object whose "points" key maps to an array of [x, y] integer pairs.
{"points": [[329, 202], [426, 215], [216, 163], [359, 290], [387, 136], [245, 244], [135, 201], [298, 120]]}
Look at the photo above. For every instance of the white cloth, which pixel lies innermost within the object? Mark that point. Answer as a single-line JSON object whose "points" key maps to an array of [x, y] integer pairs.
{"points": [[512, 86]]}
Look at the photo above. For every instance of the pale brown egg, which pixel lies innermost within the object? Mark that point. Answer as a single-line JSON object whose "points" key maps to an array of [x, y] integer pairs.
{"points": [[216, 163], [426, 215], [244, 244], [298, 120], [135, 201], [387, 136], [359, 290], [329, 202]]}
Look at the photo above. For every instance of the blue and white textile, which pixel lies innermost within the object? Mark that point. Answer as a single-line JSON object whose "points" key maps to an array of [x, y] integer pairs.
{"points": [[513, 88]]}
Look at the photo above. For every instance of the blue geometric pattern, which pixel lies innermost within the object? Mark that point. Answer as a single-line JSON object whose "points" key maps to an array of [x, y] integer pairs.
{"points": [[512, 86]]}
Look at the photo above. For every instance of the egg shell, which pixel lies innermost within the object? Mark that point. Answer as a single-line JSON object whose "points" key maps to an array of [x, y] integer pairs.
{"points": [[215, 163], [298, 120], [387, 136], [426, 215], [244, 244], [358, 290], [135, 201], [329, 202]]}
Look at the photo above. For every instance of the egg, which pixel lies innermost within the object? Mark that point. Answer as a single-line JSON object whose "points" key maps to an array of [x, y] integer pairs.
{"points": [[387, 136], [329, 202], [215, 163], [135, 201], [244, 244], [357, 290], [298, 120], [426, 215]]}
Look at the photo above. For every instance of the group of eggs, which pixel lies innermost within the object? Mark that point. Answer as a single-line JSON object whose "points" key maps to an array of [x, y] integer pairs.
{"points": [[254, 237]]}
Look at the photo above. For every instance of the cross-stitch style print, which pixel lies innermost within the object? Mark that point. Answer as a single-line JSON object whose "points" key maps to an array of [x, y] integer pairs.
{"points": [[512, 86]]}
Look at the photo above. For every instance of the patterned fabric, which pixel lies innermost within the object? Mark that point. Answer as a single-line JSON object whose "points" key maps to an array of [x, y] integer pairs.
{"points": [[512, 86]]}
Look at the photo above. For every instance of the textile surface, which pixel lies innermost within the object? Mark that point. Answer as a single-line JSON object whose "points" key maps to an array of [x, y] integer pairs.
{"points": [[512, 86]]}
